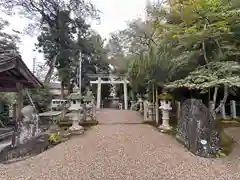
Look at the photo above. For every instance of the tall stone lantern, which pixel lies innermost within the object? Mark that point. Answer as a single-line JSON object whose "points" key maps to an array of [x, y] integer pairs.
{"points": [[76, 111], [165, 107]]}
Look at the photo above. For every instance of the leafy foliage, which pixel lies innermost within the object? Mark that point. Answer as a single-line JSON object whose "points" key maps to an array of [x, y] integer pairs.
{"points": [[211, 75], [4, 108], [191, 43], [65, 33], [41, 98], [54, 138]]}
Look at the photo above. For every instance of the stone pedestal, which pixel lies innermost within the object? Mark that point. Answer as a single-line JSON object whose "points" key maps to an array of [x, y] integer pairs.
{"points": [[115, 103], [165, 108], [132, 104], [89, 106], [76, 128], [120, 106], [125, 94], [233, 109], [148, 111], [140, 105], [94, 109], [145, 111], [99, 93], [89, 111]]}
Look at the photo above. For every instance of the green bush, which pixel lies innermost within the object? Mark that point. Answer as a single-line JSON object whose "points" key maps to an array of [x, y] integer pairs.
{"points": [[4, 113], [54, 138], [5, 102]]}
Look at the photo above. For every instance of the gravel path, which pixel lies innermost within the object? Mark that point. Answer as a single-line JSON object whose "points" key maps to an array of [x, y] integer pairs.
{"points": [[112, 151]]}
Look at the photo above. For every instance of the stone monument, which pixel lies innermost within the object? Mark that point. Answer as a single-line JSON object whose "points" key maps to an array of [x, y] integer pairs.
{"points": [[196, 129], [26, 124]]}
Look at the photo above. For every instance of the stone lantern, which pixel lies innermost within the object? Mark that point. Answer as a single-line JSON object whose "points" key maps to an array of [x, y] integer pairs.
{"points": [[89, 106], [165, 107], [76, 111]]}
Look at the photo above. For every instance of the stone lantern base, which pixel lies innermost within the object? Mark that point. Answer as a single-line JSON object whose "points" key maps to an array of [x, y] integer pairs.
{"points": [[76, 128], [165, 128]]}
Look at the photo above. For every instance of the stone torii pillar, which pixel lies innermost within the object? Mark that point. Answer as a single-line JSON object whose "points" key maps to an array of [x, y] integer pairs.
{"points": [[99, 93], [125, 94]]}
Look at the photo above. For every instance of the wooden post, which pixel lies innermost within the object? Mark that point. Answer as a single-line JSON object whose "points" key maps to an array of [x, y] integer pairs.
{"points": [[125, 94], [156, 107], [14, 114], [153, 92], [233, 109], [19, 99], [153, 103], [19, 106], [99, 93], [178, 110]]}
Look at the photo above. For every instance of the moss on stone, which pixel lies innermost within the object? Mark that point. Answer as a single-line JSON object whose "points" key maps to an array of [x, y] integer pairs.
{"points": [[226, 142]]}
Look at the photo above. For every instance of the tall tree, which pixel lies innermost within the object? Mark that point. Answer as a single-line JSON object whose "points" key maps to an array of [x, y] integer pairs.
{"points": [[64, 34]]}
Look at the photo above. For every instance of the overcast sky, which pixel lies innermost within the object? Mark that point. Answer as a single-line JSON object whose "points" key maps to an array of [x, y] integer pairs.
{"points": [[115, 14]]}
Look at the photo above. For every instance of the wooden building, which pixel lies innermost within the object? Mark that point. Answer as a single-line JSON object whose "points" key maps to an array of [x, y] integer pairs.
{"points": [[15, 77]]}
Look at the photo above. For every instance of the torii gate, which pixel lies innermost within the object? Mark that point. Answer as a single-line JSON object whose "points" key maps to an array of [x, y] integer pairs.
{"points": [[99, 83]]}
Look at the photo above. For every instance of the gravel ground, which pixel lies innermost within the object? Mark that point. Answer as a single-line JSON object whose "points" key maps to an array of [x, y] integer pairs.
{"points": [[112, 151], [233, 160]]}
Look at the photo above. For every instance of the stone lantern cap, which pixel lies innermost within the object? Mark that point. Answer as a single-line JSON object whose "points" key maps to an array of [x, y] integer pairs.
{"points": [[89, 96], [74, 96], [165, 105]]}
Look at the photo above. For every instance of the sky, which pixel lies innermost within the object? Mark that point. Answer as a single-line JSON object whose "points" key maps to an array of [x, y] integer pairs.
{"points": [[114, 15]]}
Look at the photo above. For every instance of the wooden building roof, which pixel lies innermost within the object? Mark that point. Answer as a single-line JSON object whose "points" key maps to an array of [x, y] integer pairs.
{"points": [[12, 71]]}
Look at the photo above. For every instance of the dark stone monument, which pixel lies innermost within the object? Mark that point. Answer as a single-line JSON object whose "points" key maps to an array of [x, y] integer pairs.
{"points": [[196, 129]]}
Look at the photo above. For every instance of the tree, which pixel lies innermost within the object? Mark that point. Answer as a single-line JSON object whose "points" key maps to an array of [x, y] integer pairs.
{"points": [[213, 75], [180, 39], [205, 30], [60, 23], [8, 42]]}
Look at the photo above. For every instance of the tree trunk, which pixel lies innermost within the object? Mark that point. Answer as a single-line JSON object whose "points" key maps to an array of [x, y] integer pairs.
{"points": [[215, 97], [51, 69], [223, 101], [153, 93]]}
